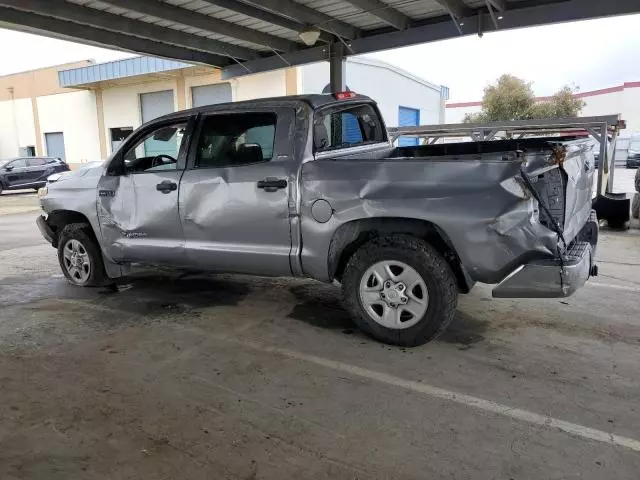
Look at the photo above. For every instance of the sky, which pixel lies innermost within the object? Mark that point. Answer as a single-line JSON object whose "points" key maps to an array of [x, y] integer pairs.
{"points": [[589, 55]]}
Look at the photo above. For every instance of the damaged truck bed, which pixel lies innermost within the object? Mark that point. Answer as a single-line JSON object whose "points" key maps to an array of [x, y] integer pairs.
{"points": [[312, 186]]}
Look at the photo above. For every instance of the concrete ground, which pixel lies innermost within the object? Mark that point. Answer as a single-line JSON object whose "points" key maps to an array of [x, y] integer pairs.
{"points": [[229, 377]]}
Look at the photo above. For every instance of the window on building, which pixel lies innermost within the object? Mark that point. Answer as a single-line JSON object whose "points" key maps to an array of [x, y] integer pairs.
{"points": [[158, 150], [346, 126], [237, 139], [119, 135]]}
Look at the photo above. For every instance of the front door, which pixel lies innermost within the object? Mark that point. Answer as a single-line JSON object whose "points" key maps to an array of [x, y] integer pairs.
{"points": [[138, 196], [16, 173], [235, 195]]}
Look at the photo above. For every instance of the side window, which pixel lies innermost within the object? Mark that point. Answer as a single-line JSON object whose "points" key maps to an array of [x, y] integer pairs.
{"points": [[35, 162], [156, 151], [236, 139], [346, 126], [18, 163]]}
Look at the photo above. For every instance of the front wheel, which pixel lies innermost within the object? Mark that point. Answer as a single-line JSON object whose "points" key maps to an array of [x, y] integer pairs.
{"points": [[400, 290], [80, 257]]}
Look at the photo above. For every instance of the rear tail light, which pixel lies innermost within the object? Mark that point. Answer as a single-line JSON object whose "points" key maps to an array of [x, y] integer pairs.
{"points": [[345, 95]]}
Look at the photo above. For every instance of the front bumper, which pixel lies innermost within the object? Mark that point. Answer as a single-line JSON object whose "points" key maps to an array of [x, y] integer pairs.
{"points": [[46, 230], [554, 278]]}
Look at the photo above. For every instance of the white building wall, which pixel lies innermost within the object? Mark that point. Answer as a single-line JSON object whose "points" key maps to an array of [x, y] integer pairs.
{"points": [[121, 105], [261, 85], [16, 126], [626, 102], [73, 114], [388, 86]]}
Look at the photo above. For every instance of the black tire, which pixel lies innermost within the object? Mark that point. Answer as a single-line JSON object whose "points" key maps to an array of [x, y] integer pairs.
{"points": [[431, 266], [0, 187], [82, 233], [637, 180], [635, 206]]}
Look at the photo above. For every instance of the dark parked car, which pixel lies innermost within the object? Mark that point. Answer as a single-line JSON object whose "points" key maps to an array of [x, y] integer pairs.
{"points": [[28, 172], [633, 157]]}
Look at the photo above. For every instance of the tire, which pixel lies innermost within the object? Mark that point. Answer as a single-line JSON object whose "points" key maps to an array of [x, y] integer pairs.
{"points": [[635, 206], [78, 238], [636, 180], [0, 187], [431, 268]]}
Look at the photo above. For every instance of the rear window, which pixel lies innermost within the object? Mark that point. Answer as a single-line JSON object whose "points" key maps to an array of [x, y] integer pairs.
{"points": [[346, 126]]}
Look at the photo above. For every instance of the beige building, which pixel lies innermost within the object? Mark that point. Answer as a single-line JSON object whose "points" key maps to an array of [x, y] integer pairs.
{"points": [[81, 112]]}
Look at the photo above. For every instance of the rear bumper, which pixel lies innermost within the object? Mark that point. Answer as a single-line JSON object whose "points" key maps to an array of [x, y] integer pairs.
{"points": [[45, 230], [554, 278]]}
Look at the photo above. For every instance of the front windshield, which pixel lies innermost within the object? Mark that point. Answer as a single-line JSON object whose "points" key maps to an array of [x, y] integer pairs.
{"points": [[4, 161]]}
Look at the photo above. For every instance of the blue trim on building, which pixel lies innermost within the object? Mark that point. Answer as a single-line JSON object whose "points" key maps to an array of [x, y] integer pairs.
{"points": [[128, 67]]}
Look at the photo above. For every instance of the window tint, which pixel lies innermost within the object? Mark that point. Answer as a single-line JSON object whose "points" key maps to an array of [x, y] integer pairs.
{"points": [[36, 162], [19, 163], [157, 151], [346, 126], [236, 139]]}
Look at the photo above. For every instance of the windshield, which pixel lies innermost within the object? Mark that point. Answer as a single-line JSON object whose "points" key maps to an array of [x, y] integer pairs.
{"points": [[635, 142], [4, 161]]}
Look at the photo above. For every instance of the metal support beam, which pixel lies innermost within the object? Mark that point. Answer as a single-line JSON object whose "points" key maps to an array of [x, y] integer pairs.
{"points": [[432, 30], [260, 14], [337, 69], [51, 27], [499, 5], [116, 23], [384, 12], [307, 15], [203, 22], [456, 8]]}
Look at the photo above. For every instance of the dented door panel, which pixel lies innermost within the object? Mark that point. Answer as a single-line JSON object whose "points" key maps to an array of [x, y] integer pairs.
{"points": [[138, 222]]}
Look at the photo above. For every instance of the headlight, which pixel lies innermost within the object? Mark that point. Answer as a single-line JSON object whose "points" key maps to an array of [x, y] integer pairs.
{"points": [[42, 192]]}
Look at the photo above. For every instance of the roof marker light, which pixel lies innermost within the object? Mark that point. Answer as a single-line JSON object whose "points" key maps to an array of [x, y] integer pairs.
{"points": [[345, 95]]}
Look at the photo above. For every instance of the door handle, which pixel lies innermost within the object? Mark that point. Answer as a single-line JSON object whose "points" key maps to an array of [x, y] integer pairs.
{"points": [[166, 186], [272, 184]]}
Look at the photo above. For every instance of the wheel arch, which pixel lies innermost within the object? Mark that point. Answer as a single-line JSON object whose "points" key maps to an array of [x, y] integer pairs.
{"points": [[58, 219], [352, 235]]}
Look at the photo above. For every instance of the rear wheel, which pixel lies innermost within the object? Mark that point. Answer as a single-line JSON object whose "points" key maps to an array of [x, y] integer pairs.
{"points": [[400, 290], [635, 206], [80, 257]]}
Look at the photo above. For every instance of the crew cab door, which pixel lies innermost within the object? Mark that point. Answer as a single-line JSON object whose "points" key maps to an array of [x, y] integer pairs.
{"points": [[235, 194], [138, 195]]}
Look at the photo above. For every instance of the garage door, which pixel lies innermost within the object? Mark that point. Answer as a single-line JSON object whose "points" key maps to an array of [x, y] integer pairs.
{"points": [[211, 94], [408, 117], [55, 145], [156, 104]]}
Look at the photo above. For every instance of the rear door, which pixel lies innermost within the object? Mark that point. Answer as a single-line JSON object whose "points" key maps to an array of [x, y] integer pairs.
{"points": [[235, 195], [138, 195], [38, 170]]}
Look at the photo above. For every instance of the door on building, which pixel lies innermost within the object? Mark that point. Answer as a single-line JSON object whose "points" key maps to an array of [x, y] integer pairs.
{"points": [[154, 105], [234, 197], [55, 145], [408, 117], [138, 197], [210, 94]]}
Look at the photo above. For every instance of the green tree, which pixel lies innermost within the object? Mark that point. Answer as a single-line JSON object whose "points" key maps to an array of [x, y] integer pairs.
{"points": [[511, 98]]}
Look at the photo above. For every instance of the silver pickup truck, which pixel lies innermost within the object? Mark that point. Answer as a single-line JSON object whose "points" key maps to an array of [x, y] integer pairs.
{"points": [[311, 186]]}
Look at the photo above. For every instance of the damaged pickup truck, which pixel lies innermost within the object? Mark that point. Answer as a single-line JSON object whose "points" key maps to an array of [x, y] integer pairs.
{"points": [[311, 186]]}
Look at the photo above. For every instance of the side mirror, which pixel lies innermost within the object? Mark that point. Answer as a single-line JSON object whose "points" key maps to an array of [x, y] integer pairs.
{"points": [[8, 169]]}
